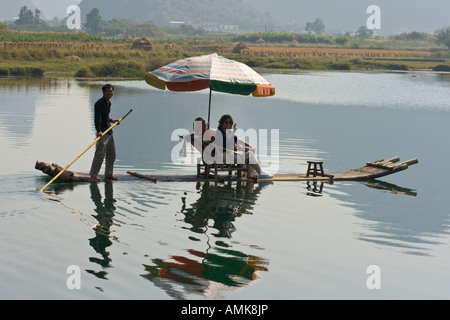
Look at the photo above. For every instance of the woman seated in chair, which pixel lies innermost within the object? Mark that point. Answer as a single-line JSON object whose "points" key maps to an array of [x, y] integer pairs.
{"points": [[228, 142]]}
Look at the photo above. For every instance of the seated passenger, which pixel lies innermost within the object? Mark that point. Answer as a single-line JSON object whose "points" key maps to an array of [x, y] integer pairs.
{"points": [[200, 129], [227, 140]]}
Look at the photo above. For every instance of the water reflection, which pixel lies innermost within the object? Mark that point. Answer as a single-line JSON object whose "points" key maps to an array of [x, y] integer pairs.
{"points": [[222, 204], [374, 89], [315, 188], [218, 267], [394, 222], [104, 209], [204, 273], [17, 114], [32, 117], [389, 187]]}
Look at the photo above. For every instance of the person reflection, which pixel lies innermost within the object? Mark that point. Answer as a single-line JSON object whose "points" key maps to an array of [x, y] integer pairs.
{"points": [[104, 216], [222, 204]]}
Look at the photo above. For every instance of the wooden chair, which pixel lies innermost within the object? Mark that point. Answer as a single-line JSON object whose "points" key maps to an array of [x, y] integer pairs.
{"points": [[209, 170]]}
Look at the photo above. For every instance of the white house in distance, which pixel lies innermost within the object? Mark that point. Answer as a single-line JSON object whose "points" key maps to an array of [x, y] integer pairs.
{"points": [[225, 28], [209, 26]]}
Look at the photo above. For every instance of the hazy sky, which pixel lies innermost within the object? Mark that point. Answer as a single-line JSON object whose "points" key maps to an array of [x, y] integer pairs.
{"points": [[348, 15], [50, 8], [338, 15]]}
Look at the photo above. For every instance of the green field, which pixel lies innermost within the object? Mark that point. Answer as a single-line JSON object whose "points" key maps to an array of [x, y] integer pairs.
{"points": [[92, 56]]}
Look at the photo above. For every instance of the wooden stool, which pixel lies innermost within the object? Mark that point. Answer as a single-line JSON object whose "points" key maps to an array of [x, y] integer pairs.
{"points": [[315, 170]]}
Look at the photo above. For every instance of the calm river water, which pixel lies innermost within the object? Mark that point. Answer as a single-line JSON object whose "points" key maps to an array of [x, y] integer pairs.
{"points": [[134, 239]]}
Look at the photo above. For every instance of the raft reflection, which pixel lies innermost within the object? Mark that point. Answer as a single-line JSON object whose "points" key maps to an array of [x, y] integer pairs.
{"points": [[222, 204], [218, 268], [315, 188]]}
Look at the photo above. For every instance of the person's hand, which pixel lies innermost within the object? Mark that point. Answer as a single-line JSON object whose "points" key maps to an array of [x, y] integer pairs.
{"points": [[234, 127], [99, 134], [115, 121]]}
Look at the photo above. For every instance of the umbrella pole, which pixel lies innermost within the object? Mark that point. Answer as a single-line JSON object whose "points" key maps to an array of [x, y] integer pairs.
{"points": [[209, 107]]}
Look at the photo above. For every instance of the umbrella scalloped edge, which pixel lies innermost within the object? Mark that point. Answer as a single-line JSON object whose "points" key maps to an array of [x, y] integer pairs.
{"points": [[228, 77], [155, 81], [264, 90]]}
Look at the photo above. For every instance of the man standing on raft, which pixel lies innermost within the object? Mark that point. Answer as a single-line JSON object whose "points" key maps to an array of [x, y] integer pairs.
{"points": [[105, 147]]}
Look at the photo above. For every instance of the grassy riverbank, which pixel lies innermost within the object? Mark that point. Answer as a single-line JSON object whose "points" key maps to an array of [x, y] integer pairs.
{"points": [[87, 56]]}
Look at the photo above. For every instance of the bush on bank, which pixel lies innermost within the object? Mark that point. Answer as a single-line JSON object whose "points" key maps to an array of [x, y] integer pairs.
{"points": [[118, 69], [21, 72]]}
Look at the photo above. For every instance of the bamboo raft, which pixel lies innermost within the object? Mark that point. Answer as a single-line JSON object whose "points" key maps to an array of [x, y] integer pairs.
{"points": [[371, 170]]}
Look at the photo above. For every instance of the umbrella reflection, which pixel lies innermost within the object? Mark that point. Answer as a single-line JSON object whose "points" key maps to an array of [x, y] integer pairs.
{"points": [[205, 273], [218, 268]]}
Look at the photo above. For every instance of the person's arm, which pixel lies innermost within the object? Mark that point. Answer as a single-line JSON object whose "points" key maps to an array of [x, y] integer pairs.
{"points": [[209, 135], [245, 144]]}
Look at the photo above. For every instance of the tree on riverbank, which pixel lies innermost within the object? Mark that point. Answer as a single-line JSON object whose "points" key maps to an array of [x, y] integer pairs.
{"points": [[318, 27], [364, 32], [93, 21], [30, 21], [443, 37]]}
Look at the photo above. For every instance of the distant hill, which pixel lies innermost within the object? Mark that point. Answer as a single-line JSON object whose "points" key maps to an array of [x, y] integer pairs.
{"points": [[198, 13]]}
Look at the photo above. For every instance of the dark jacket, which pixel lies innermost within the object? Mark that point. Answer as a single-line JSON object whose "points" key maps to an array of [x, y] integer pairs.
{"points": [[102, 108], [224, 138]]}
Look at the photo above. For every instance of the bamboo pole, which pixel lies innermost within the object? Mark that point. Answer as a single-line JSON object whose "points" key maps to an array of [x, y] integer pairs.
{"points": [[410, 162], [392, 160], [77, 157]]}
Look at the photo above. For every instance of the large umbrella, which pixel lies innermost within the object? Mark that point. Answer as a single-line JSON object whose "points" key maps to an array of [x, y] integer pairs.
{"points": [[210, 71]]}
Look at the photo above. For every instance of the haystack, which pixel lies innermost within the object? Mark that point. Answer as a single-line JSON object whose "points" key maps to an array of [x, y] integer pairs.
{"points": [[260, 41], [142, 43], [171, 46], [239, 47], [128, 39], [72, 58]]}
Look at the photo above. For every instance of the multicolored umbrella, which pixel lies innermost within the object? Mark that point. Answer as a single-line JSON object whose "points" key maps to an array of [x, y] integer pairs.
{"points": [[210, 71]]}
